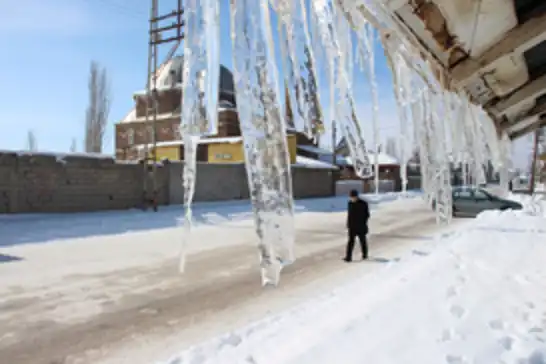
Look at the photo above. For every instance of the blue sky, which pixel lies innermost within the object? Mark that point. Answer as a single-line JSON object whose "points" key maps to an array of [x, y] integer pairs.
{"points": [[47, 46]]}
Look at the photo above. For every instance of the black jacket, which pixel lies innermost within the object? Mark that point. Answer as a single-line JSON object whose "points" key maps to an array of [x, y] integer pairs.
{"points": [[358, 214]]}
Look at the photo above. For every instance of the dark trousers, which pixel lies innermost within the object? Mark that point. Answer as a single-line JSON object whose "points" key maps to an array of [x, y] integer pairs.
{"points": [[351, 244]]}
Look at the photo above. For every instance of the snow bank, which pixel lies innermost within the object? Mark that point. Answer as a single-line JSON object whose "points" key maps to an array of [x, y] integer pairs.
{"points": [[478, 296], [534, 205]]}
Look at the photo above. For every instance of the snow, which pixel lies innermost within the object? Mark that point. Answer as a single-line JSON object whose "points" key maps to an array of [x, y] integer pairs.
{"points": [[58, 155], [313, 163], [474, 292], [475, 296], [91, 262], [230, 140], [313, 149], [384, 159], [326, 155]]}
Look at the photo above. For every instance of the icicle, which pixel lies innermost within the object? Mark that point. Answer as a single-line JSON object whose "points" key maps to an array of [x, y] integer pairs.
{"points": [[199, 94], [264, 133], [505, 157], [299, 66], [341, 97], [369, 43]]}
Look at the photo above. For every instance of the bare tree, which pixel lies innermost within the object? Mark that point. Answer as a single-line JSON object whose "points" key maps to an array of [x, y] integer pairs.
{"points": [[32, 144], [97, 112]]}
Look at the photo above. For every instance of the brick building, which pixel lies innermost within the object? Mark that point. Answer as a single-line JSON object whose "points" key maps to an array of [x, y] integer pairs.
{"points": [[132, 131], [133, 135]]}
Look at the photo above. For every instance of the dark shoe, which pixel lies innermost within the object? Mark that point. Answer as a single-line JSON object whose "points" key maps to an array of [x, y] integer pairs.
{"points": [[348, 260], [364, 257]]}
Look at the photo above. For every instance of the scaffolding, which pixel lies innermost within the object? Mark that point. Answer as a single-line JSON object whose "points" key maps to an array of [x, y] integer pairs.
{"points": [[160, 32]]}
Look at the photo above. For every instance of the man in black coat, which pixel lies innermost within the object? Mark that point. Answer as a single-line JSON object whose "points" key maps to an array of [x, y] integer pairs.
{"points": [[358, 214]]}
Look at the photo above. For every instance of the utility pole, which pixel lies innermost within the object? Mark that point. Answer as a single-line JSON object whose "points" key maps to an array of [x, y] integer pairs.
{"points": [[159, 33], [534, 162], [334, 156]]}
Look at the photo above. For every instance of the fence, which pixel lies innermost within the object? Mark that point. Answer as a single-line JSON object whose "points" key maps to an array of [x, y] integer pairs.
{"points": [[54, 183]]}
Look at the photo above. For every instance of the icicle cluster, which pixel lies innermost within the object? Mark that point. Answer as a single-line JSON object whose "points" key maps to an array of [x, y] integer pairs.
{"points": [[264, 132], [200, 85], [334, 37], [445, 128], [299, 67]]}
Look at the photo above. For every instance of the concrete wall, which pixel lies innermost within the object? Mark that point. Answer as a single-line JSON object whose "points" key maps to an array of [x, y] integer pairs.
{"points": [[48, 183], [215, 182]]}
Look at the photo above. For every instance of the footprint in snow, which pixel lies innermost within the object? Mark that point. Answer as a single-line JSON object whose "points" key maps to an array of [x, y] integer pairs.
{"points": [[420, 253], [457, 311], [452, 291], [507, 343], [497, 325], [449, 335], [456, 359]]}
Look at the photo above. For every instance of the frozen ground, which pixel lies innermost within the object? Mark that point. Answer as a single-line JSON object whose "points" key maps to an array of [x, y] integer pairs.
{"points": [[475, 296], [104, 287]]}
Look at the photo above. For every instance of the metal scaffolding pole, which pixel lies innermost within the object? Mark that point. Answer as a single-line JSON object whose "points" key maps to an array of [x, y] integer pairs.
{"points": [[159, 33]]}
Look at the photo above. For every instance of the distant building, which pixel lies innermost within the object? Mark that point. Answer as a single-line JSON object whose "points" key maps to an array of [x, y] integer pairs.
{"points": [[389, 167], [133, 134]]}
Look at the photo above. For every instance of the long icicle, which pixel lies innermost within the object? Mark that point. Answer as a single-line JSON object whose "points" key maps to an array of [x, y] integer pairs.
{"points": [[341, 96], [264, 133], [369, 45], [299, 66], [199, 95]]}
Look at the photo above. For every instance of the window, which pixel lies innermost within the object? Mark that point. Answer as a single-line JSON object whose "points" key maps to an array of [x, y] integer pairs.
{"points": [[480, 195], [465, 194]]}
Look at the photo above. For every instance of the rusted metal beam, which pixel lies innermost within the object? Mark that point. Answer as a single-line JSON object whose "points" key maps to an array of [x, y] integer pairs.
{"points": [[517, 40]]}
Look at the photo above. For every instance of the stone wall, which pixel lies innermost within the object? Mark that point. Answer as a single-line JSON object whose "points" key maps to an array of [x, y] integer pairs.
{"points": [[51, 183]]}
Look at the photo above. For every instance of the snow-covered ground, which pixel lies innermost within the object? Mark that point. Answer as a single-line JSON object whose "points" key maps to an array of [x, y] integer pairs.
{"points": [[72, 284], [476, 296], [103, 288]]}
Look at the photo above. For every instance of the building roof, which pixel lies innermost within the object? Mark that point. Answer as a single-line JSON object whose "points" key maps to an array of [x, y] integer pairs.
{"points": [[313, 163], [170, 75], [383, 159], [326, 155], [230, 140]]}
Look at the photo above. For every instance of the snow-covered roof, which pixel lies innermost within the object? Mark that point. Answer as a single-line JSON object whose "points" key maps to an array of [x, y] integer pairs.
{"points": [[313, 163], [173, 69], [230, 140], [326, 156], [384, 159], [316, 150], [58, 155]]}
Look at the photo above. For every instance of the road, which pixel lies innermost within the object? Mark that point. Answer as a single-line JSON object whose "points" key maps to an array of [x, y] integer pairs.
{"points": [[119, 298]]}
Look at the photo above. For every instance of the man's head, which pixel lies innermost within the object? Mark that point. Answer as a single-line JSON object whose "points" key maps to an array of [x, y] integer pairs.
{"points": [[353, 195]]}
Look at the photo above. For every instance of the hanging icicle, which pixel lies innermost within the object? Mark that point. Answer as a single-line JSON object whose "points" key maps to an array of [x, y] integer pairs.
{"points": [[342, 105], [264, 133], [299, 67], [199, 94]]}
